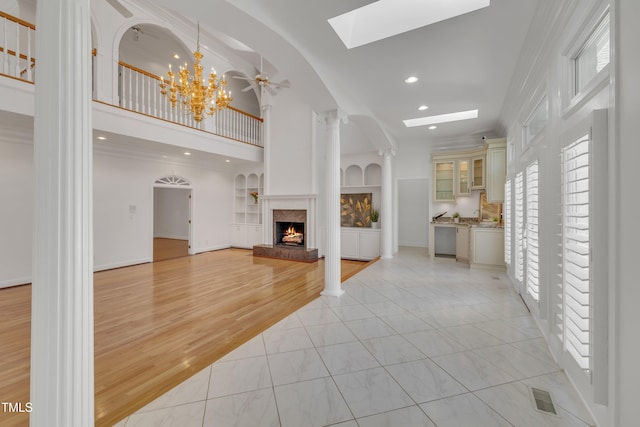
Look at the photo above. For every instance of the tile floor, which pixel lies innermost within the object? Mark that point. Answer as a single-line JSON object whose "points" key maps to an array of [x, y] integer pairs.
{"points": [[412, 342]]}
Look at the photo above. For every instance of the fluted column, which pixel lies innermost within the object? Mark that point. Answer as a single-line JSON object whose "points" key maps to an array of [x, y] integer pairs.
{"points": [[332, 282], [267, 232], [386, 210], [62, 391]]}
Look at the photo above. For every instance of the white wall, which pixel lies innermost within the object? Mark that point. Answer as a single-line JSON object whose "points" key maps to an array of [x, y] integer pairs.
{"points": [[171, 213], [16, 212], [123, 209], [124, 238], [290, 154]]}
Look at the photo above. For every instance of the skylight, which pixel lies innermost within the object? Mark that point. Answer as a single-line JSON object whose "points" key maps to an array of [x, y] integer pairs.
{"points": [[387, 18], [442, 118]]}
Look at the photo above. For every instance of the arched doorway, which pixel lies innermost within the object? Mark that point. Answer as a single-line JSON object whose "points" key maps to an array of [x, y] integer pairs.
{"points": [[171, 218]]}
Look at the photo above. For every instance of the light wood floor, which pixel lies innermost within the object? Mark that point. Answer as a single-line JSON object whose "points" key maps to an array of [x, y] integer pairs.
{"points": [[169, 248], [157, 324]]}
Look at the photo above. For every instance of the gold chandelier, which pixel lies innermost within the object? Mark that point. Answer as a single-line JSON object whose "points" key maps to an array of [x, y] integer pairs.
{"points": [[191, 93]]}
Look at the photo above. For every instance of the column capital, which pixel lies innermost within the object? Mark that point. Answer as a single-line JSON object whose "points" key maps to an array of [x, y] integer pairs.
{"points": [[335, 116], [388, 152], [266, 107]]}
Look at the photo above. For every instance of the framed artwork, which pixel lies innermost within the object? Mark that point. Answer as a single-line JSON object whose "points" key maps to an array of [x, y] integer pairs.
{"points": [[355, 210]]}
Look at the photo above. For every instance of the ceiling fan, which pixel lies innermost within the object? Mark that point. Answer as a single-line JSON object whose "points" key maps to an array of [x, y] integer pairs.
{"points": [[263, 82]]}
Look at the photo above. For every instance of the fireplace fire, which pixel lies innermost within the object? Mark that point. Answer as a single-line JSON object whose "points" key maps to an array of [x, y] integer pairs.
{"points": [[289, 233]]}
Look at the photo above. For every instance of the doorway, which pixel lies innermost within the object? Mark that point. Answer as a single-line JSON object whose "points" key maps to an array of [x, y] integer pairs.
{"points": [[171, 222], [413, 212]]}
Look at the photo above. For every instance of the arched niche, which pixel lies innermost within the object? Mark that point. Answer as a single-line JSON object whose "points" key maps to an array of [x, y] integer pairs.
{"points": [[353, 176]]}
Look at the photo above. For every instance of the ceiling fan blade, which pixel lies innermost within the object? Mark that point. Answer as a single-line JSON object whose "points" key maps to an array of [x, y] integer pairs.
{"points": [[271, 90], [248, 88], [280, 84], [242, 78]]}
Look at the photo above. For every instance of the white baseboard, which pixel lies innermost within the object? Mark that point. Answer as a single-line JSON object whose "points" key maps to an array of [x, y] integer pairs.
{"points": [[15, 282], [414, 244], [121, 264], [171, 236]]}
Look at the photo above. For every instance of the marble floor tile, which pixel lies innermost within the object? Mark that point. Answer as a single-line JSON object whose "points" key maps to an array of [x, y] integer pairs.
{"points": [[347, 357], [411, 416], [366, 296], [316, 304], [343, 300], [537, 348], [123, 423], [278, 341], [515, 403], [311, 403], [369, 328], [238, 376], [189, 415], [385, 308], [462, 411], [252, 348], [392, 349], [353, 312], [332, 333], [406, 323], [425, 381], [502, 329], [456, 316], [516, 362], [319, 316], [251, 409], [471, 336], [371, 392], [295, 366], [192, 390], [472, 370], [434, 343]]}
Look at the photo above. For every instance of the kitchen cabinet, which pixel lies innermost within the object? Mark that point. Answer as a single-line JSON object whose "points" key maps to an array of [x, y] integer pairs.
{"points": [[359, 243], [462, 243], [456, 173], [487, 247], [496, 169], [444, 174], [477, 173]]}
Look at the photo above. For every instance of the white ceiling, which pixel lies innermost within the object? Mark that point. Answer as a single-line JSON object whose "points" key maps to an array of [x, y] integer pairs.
{"points": [[463, 63]]}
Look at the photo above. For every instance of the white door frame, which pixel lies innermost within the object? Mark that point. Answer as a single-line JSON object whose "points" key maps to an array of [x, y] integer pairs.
{"points": [[174, 182]]}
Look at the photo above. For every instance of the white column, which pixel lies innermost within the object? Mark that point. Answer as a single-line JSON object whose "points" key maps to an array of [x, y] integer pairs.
{"points": [[267, 232], [62, 391], [332, 282], [386, 210]]}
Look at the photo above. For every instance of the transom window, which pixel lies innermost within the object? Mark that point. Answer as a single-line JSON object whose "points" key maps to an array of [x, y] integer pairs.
{"points": [[594, 55]]}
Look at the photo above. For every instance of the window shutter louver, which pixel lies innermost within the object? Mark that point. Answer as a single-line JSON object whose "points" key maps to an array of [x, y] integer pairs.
{"points": [[576, 250], [519, 229], [532, 224], [507, 222]]}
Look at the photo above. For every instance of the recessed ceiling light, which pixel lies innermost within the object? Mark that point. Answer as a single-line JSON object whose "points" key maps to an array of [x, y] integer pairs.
{"points": [[411, 79], [186, 153], [432, 127], [422, 107], [227, 161], [175, 55], [442, 118], [102, 138], [164, 157], [386, 18]]}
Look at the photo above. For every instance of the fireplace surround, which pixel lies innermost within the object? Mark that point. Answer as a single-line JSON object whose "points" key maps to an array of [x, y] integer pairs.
{"points": [[289, 239]]}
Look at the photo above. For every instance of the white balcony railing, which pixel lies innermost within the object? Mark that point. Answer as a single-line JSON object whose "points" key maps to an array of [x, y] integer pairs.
{"points": [[139, 91], [17, 38]]}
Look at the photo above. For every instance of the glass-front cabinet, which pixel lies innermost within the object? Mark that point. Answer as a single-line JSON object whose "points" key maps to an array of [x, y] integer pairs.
{"points": [[444, 174], [463, 177], [477, 180]]}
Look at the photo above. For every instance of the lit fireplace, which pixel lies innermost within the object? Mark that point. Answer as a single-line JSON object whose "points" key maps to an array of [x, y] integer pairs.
{"points": [[289, 233]]}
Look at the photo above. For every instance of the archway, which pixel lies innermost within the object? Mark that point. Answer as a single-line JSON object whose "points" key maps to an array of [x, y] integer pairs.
{"points": [[172, 233]]}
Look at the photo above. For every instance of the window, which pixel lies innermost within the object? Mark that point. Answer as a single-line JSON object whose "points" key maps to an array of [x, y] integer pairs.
{"points": [[576, 250], [532, 225], [593, 56], [536, 122], [519, 229], [507, 222]]}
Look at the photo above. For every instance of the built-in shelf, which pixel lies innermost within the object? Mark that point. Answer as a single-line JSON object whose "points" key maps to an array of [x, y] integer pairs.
{"points": [[355, 176]]}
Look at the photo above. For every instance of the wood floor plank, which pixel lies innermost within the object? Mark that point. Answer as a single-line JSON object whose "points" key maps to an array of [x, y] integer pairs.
{"points": [[158, 324]]}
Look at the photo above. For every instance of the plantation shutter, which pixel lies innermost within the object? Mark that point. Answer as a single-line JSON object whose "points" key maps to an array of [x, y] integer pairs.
{"points": [[576, 250], [507, 222], [532, 224], [519, 229]]}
